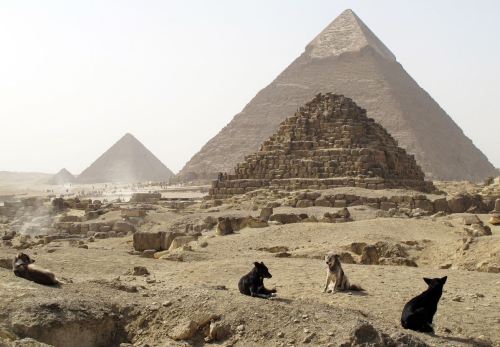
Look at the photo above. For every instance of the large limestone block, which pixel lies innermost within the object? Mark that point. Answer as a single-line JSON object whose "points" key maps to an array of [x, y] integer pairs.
{"points": [[457, 204], [145, 240], [224, 226], [441, 205]]}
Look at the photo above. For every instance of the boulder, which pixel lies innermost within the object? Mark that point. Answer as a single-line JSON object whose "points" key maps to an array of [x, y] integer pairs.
{"points": [[485, 266], [495, 219], [266, 213], [457, 204], [95, 226], [471, 219], [168, 237], [105, 228], [140, 271], [123, 227], [238, 223], [357, 247], [304, 203], [387, 205], [218, 331], [346, 258], [180, 241], [312, 195], [497, 205], [425, 205], [323, 202], [184, 330], [441, 205], [340, 203], [478, 229], [224, 226], [210, 222], [369, 255], [366, 335]]}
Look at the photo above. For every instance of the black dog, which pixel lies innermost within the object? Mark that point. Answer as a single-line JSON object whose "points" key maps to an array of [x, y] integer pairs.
{"points": [[253, 282], [419, 311]]}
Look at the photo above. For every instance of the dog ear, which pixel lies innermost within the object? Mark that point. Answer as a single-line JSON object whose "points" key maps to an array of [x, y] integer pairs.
{"points": [[443, 279], [428, 281], [256, 264]]}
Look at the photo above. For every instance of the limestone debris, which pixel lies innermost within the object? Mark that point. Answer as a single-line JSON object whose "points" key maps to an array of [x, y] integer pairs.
{"points": [[327, 143]]}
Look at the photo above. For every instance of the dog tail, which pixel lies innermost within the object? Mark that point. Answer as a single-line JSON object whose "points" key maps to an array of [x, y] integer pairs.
{"points": [[356, 287]]}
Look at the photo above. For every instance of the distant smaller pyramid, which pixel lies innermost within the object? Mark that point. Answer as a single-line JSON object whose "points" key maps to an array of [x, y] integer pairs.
{"points": [[62, 177], [128, 160]]}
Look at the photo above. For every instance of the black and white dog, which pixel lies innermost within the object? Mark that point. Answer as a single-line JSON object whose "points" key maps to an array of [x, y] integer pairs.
{"points": [[252, 283], [419, 311]]}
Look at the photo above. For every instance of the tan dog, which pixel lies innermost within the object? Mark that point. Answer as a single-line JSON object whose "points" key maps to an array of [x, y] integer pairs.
{"points": [[335, 271], [23, 267]]}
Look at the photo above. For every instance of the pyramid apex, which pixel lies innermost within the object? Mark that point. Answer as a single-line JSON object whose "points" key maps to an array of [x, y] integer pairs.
{"points": [[347, 33], [348, 11]]}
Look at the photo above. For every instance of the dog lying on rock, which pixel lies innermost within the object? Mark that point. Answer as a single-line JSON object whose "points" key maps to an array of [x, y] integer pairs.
{"points": [[252, 283], [23, 267]]}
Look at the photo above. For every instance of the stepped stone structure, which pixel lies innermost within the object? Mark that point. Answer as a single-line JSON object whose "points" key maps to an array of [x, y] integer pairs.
{"points": [[126, 161], [347, 58], [329, 142], [62, 177]]}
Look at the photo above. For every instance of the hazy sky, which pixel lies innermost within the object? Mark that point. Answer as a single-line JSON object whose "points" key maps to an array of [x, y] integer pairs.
{"points": [[77, 75]]}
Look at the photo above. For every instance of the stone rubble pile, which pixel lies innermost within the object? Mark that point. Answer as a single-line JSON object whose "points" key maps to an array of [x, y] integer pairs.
{"points": [[328, 143]]}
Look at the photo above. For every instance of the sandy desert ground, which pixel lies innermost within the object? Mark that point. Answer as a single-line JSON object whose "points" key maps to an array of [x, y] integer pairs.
{"points": [[103, 303]]}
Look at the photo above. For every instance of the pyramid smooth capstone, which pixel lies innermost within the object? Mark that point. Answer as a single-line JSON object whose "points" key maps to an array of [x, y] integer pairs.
{"points": [[347, 58], [329, 142]]}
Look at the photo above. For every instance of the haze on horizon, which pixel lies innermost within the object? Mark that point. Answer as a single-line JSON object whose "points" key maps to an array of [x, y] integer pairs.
{"points": [[75, 77]]}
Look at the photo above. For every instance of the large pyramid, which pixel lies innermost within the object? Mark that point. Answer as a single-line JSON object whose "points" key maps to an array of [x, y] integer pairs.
{"points": [[347, 58], [328, 143], [126, 161]]}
